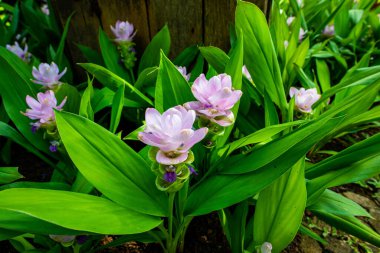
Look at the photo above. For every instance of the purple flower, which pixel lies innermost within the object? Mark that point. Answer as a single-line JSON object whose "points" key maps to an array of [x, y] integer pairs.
{"points": [[54, 146], [304, 99], [246, 73], [301, 34], [172, 133], [215, 98], [183, 71], [290, 20], [329, 31], [45, 9], [170, 175], [23, 54], [47, 75], [42, 110], [123, 31], [62, 238], [192, 170], [266, 247]]}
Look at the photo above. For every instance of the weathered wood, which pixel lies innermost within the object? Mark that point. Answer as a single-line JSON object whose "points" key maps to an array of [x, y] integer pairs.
{"points": [[184, 19], [190, 21]]}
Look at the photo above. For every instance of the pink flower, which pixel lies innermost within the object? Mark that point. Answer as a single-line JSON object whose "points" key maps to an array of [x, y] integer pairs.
{"points": [[45, 9], [123, 31], [329, 31], [246, 73], [266, 247], [47, 75], [215, 98], [301, 35], [172, 133], [43, 109], [183, 71], [290, 20], [304, 99], [23, 54]]}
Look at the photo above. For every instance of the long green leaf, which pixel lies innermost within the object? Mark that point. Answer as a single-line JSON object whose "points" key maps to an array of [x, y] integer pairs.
{"points": [[9, 174], [171, 87], [74, 211], [110, 165], [279, 210], [151, 56], [112, 81], [259, 54]]}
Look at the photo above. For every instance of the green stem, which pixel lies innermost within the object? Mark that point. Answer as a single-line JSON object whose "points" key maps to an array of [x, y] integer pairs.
{"points": [[169, 239], [182, 233], [132, 75]]}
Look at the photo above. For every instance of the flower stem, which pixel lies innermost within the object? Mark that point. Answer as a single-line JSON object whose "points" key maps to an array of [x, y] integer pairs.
{"points": [[169, 241]]}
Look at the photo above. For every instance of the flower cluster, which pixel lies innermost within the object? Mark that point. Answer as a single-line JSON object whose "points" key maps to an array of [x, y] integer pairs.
{"points": [[47, 75], [302, 32], [329, 31], [304, 99], [215, 99], [23, 54], [183, 72], [124, 33], [42, 108], [172, 136]]}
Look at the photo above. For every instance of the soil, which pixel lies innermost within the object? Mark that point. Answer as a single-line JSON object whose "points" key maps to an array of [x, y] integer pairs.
{"points": [[205, 234]]}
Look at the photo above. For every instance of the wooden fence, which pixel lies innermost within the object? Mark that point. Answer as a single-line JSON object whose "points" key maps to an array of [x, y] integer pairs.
{"points": [[190, 21]]}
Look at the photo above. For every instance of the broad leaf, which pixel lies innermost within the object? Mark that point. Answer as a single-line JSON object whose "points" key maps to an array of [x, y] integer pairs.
{"points": [[110, 165]]}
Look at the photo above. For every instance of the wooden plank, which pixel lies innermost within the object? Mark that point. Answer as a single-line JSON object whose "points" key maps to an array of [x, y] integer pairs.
{"points": [[184, 18], [132, 11], [84, 24], [218, 15]]}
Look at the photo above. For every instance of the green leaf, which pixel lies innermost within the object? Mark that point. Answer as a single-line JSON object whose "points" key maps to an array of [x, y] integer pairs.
{"points": [[9, 174], [216, 57], [151, 56], [259, 54], [111, 57], [187, 56], [85, 108], [171, 87], [362, 76], [219, 191], [304, 230], [98, 154], [112, 81], [91, 55], [323, 73], [71, 210], [117, 109], [362, 169], [261, 135], [58, 59], [334, 203], [147, 77], [73, 97], [279, 211], [351, 225]]}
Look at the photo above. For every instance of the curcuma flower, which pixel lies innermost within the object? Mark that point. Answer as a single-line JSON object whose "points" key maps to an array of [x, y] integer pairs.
{"points": [[246, 73], [43, 109], [47, 75], [23, 54], [329, 31], [304, 99], [123, 31], [183, 71], [215, 99], [266, 247], [45, 9], [172, 133]]}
